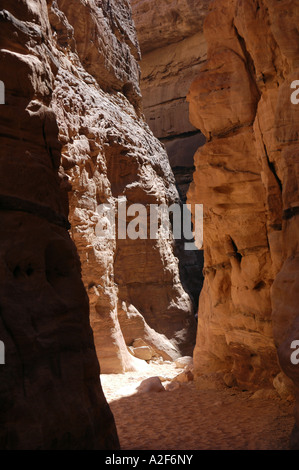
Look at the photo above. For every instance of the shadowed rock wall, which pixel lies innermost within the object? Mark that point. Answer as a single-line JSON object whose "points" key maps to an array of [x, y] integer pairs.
{"points": [[50, 391]]}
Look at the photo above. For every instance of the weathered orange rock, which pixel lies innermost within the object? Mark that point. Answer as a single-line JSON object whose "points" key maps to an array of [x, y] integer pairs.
{"points": [[246, 177], [108, 151], [73, 139], [167, 23], [173, 50]]}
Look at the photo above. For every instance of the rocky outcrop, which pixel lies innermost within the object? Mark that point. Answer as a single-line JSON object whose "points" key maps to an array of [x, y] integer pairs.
{"points": [[73, 139], [107, 153], [246, 177], [173, 50], [50, 392]]}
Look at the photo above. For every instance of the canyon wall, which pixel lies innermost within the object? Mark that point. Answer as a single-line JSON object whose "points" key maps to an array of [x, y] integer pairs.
{"points": [[247, 178], [109, 155], [173, 50], [73, 138], [50, 391]]}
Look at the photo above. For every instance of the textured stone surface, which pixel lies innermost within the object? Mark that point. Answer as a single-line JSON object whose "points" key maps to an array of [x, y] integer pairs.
{"points": [[73, 138], [109, 152], [50, 391], [135, 282], [173, 49], [247, 178], [153, 384], [168, 22]]}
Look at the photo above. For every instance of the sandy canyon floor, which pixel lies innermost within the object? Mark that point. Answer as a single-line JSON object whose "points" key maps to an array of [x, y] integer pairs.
{"points": [[192, 417]]}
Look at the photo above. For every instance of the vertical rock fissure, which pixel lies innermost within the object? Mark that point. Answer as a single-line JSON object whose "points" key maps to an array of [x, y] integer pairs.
{"points": [[249, 63]]}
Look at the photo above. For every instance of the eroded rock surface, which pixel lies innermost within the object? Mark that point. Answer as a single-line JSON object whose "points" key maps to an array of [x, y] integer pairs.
{"points": [[73, 138], [173, 50], [110, 153], [89, 74], [247, 178], [50, 392]]}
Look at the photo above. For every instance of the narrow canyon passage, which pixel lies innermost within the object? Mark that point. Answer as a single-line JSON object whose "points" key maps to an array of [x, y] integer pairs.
{"points": [[206, 415], [114, 334]]}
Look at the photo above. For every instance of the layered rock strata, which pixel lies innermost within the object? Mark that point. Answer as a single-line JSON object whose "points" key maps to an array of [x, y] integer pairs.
{"points": [[246, 177]]}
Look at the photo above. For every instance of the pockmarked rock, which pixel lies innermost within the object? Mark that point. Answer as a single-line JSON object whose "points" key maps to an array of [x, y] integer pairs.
{"points": [[110, 155], [246, 177]]}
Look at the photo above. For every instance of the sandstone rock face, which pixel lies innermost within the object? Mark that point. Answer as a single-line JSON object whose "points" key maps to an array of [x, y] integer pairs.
{"points": [[73, 139], [173, 50], [50, 392], [246, 177], [107, 152]]}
